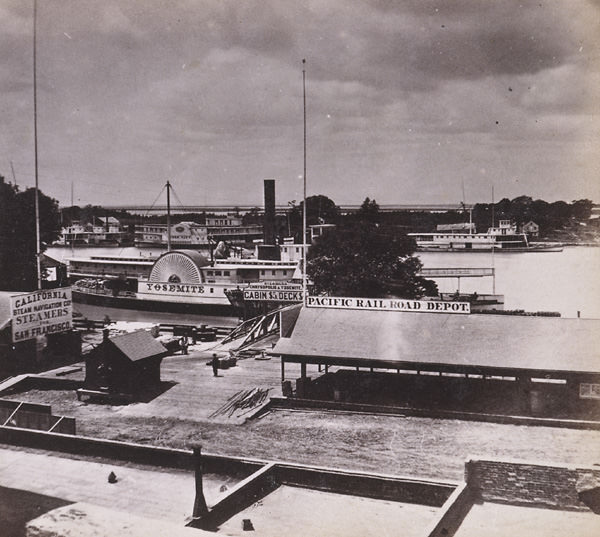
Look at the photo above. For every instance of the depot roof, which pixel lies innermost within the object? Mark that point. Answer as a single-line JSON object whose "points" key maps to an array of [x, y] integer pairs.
{"points": [[443, 342]]}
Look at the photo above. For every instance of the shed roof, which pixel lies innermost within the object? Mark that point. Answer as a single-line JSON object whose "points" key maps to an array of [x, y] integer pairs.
{"points": [[5, 313], [138, 345], [451, 342], [50, 261]]}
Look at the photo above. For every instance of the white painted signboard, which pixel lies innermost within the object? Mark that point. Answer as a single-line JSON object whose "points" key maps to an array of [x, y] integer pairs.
{"points": [[39, 313], [274, 293], [275, 286], [388, 304]]}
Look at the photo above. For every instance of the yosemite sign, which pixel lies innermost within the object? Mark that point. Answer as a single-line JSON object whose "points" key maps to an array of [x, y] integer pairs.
{"points": [[175, 288], [41, 312], [388, 304]]}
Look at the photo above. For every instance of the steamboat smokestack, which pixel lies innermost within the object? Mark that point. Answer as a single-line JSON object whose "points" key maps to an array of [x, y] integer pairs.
{"points": [[269, 249], [269, 221]]}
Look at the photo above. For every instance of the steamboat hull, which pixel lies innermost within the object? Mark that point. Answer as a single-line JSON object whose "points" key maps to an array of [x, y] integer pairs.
{"points": [[460, 247], [514, 250], [134, 303], [174, 245]]}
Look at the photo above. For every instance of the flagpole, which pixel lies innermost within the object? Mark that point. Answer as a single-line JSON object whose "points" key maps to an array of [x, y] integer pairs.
{"points": [[35, 144], [304, 245], [168, 216], [493, 247]]}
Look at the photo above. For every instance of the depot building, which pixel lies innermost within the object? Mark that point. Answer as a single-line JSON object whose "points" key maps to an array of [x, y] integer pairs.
{"points": [[382, 352]]}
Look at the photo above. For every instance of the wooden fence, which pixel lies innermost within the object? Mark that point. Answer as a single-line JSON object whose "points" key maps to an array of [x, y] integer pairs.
{"points": [[33, 416]]}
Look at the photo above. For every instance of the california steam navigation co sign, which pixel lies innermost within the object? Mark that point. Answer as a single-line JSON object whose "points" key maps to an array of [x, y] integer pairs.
{"points": [[40, 313]]}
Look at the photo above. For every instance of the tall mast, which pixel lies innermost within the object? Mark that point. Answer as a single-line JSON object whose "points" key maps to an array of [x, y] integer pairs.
{"points": [[464, 202], [12, 168], [71, 226], [168, 216], [304, 245], [38, 252], [493, 248], [470, 220], [493, 206]]}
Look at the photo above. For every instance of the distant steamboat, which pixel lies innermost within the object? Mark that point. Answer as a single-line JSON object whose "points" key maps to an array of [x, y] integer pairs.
{"points": [[463, 238], [229, 228]]}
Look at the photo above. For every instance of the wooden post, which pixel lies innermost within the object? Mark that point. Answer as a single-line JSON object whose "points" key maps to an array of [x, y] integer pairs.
{"points": [[282, 369], [200, 507], [303, 370]]}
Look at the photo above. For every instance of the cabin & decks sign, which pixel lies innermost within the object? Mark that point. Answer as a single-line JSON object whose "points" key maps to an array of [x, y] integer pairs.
{"points": [[274, 292], [40, 313]]}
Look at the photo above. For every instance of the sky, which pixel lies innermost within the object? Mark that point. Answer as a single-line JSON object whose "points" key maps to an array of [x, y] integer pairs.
{"points": [[407, 101]]}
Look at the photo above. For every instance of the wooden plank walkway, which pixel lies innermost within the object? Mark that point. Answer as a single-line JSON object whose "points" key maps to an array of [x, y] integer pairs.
{"points": [[197, 394]]}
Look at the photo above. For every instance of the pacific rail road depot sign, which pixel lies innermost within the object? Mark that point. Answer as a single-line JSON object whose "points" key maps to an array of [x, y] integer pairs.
{"points": [[388, 304], [40, 313], [274, 292]]}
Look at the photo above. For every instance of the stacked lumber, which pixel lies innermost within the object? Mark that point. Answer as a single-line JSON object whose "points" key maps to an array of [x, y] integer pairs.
{"points": [[242, 402]]}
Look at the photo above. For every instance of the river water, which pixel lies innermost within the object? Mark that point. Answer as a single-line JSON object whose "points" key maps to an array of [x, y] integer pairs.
{"points": [[567, 282]]}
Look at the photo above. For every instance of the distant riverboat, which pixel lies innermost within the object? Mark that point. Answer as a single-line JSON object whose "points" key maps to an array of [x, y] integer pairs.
{"points": [[107, 232], [227, 228], [504, 238]]}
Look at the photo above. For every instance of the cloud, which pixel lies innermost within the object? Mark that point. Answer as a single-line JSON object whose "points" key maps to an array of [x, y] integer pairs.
{"points": [[399, 94], [415, 45], [261, 27]]}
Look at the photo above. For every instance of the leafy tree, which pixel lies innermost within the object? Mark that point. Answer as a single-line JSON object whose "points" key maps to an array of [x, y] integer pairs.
{"points": [[582, 209], [319, 210], [540, 207], [521, 210], [369, 211], [365, 260], [253, 216], [523, 200], [18, 266], [560, 209], [503, 208]]}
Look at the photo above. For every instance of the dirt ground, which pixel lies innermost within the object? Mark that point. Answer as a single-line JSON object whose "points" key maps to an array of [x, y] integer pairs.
{"points": [[396, 445]]}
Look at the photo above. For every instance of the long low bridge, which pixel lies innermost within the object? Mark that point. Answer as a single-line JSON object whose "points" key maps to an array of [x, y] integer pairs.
{"points": [[462, 272], [459, 272], [283, 209]]}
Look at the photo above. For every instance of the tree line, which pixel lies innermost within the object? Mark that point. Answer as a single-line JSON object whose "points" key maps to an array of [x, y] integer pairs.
{"points": [[18, 263], [367, 254], [550, 216], [520, 210]]}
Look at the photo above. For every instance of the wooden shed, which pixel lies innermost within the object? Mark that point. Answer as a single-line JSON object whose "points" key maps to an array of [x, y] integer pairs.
{"points": [[125, 364]]}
